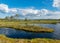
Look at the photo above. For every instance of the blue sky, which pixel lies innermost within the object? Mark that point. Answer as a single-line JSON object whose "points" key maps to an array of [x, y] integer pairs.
{"points": [[38, 4], [37, 9]]}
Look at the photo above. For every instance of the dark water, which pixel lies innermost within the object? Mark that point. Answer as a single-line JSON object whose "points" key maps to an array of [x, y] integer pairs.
{"points": [[23, 34]]}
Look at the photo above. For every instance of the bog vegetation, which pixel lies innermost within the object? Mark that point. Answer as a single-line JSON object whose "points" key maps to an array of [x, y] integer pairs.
{"points": [[15, 23]]}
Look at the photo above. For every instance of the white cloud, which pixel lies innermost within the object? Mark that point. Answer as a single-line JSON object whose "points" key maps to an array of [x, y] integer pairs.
{"points": [[27, 11], [43, 12], [30, 12], [12, 11], [56, 3], [4, 7]]}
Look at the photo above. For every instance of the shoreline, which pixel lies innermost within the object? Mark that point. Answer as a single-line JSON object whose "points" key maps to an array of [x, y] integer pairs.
{"points": [[4, 39], [36, 29]]}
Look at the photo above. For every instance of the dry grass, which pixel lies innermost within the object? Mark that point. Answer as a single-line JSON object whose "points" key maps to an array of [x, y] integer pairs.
{"points": [[16, 25]]}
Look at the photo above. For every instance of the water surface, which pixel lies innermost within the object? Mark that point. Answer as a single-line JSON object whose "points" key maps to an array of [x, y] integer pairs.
{"points": [[23, 34]]}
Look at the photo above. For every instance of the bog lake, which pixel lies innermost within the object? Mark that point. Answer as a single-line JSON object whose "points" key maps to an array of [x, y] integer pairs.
{"points": [[13, 33]]}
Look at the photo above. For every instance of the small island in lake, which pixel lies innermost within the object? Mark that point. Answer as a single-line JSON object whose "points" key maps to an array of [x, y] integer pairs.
{"points": [[18, 25]]}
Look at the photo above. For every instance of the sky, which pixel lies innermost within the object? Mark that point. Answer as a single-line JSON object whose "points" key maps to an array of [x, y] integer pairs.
{"points": [[32, 9]]}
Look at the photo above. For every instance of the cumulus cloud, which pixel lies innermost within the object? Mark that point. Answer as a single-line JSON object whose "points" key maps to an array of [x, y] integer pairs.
{"points": [[12, 11], [3, 8], [30, 12], [27, 11], [56, 3], [34, 11]]}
